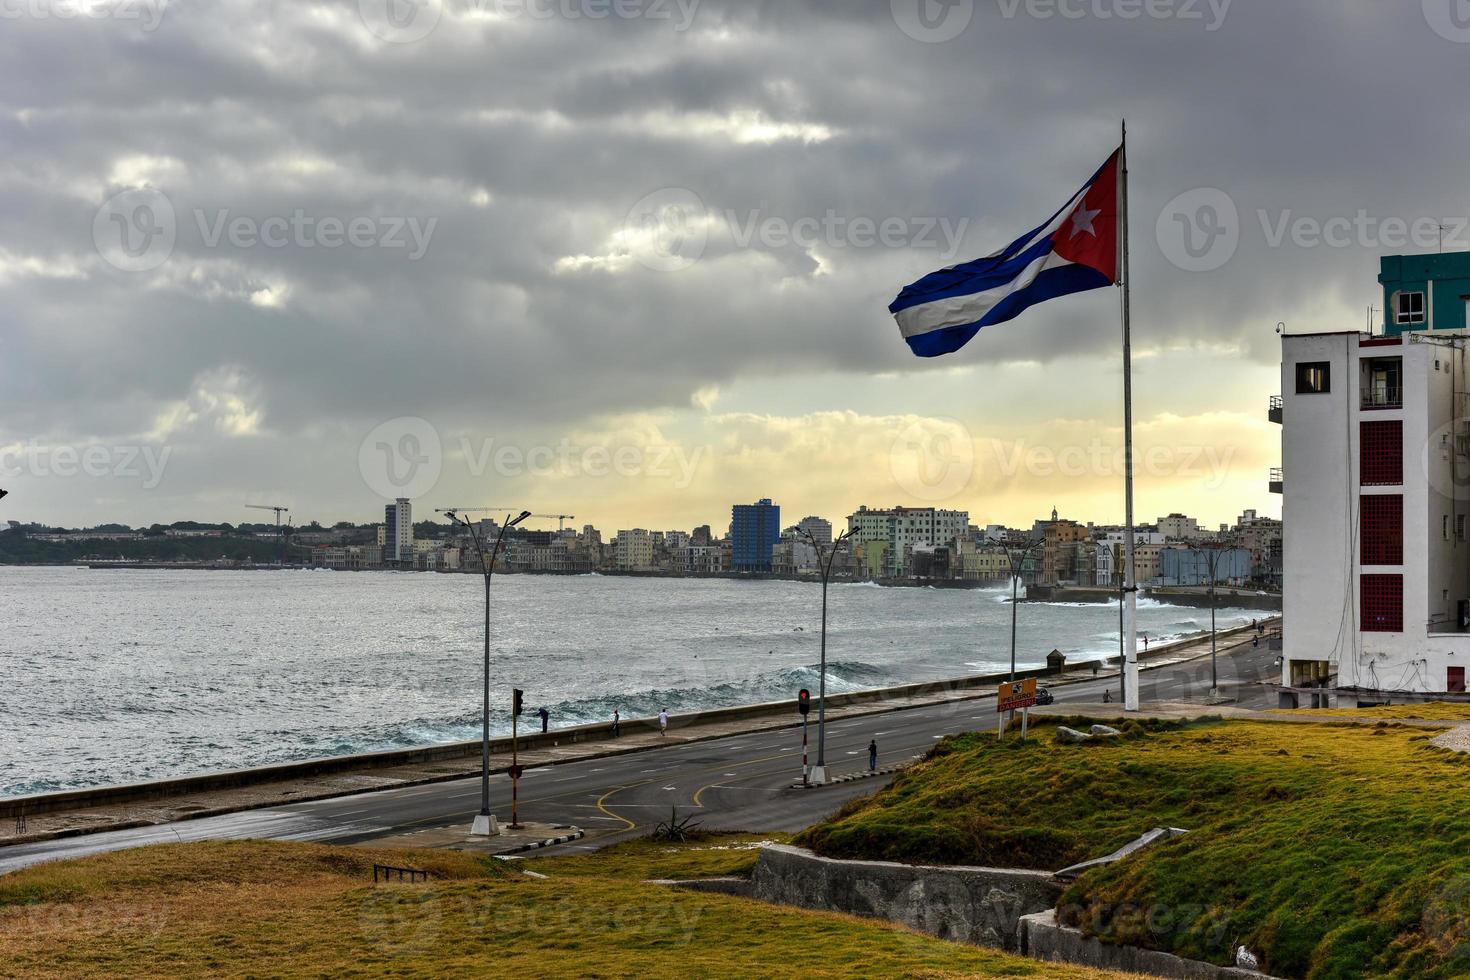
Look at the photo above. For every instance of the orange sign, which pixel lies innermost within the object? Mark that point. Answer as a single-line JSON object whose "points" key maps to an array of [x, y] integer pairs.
{"points": [[1015, 695]]}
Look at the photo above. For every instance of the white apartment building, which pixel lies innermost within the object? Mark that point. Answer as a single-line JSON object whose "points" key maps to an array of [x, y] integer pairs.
{"points": [[397, 537], [1177, 527], [905, 528], [818, 527], [704, 559], [1375, 450], [634, 549]]}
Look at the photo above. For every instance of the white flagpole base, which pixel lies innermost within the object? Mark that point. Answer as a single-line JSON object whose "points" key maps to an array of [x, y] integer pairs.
{"points": [[485, 825], [819, 776]]}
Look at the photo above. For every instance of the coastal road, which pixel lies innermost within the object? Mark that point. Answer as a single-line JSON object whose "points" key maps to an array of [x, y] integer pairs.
{"points": [[742, 782]]}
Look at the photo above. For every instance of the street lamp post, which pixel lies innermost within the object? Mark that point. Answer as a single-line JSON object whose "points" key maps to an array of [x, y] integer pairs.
{"points": [[1018, 564], [819, 773], [1213, 553], [485, 824]]}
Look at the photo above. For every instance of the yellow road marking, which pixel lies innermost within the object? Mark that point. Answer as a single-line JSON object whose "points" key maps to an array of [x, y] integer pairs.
{"points": [[618, 816]]}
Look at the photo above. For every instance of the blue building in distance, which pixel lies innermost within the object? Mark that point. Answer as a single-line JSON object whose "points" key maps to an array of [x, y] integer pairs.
{"points": [[754, 530]]}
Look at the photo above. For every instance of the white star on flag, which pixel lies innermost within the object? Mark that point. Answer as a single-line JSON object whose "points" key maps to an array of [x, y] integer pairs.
{"points": [[1082, 221]]}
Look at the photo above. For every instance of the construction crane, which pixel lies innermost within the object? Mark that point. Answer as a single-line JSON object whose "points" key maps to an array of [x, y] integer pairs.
{"points": [[279, 532]]}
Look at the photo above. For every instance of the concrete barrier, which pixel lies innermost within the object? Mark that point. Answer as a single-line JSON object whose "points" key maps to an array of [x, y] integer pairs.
{"points": [[974, 905], [1047, 939]]}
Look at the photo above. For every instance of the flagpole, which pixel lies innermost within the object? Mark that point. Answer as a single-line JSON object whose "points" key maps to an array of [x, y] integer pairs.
{"points": [[1130, 582]]}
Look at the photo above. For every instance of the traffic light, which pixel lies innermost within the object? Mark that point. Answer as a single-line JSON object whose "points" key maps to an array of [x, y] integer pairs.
{"points": [[804, 701], [516, 706]]}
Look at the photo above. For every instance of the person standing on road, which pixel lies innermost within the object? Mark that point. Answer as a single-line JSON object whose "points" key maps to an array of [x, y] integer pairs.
{"points": [[545, 719], [617, 723], [663, 721], [873, 755]]}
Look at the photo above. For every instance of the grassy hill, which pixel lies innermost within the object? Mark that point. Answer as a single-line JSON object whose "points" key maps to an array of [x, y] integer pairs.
{"points": [[1329, 850], [287, 909]]}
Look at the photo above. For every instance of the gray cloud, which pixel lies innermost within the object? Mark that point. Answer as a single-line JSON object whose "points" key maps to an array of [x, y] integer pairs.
{"points": [[528, 140]]}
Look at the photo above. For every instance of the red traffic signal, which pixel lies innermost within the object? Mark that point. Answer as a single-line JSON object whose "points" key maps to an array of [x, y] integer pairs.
{"points": [[804, 701]]}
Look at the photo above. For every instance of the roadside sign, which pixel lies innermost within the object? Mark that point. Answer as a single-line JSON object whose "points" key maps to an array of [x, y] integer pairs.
{"points": [[1016, 695]]}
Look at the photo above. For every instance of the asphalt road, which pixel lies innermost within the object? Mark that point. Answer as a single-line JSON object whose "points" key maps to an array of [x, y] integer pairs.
{"points": [[744, 782]]}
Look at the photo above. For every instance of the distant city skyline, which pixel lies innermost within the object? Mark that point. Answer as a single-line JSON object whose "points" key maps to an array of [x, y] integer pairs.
{"points": [[1172, 521]]}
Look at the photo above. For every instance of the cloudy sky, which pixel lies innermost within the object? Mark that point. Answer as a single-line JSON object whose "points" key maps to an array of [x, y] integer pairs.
{"points": [[630, 259]]}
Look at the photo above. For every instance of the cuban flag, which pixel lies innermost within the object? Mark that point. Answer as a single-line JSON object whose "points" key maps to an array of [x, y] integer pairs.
{"points": [[1075, 250]]}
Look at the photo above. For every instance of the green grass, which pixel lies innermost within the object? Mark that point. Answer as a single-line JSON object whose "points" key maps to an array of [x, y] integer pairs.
{"points": [[252, 908], [706, 856], [1329, 850], [1429, 710]]}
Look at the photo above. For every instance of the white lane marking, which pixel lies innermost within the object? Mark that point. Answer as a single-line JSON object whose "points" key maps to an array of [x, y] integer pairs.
{"points": [[670, 788]]}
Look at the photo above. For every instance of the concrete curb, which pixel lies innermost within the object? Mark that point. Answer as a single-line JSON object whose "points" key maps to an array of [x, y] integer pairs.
{"points": [[537, 845], [853, 777]]}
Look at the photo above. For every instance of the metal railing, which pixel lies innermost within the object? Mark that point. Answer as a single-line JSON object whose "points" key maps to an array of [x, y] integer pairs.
{"points": [[1383, 396], [1278, 480], [386, 872], [1277, 410]]}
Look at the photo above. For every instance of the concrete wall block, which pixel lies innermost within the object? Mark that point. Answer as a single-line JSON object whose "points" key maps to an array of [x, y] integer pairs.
{"points": [[975, 905]]}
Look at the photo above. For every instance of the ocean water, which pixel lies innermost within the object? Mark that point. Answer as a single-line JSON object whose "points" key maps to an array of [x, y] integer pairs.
{"points": [[114, 676]]}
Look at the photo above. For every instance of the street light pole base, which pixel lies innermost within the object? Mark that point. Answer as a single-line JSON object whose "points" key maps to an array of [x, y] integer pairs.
{"points": [[818, 776], [485, 825]]}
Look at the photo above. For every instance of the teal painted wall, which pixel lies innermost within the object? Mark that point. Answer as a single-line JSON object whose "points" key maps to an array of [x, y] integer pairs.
{"points": [[1450, 274]]}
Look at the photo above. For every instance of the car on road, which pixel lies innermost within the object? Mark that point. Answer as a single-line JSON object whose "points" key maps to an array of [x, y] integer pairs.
{"points": [[1043, 696]]}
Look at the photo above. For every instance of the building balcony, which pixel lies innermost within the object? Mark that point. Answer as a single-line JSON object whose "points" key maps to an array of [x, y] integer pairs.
{"points": [[1278, 481], [1382, 397], [1277, 411]]}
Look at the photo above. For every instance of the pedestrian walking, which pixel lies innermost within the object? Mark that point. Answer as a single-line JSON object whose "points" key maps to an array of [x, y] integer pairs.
{"points": [[545, 719], [1254, 627], [663, 721], [1145, 643], [1255, 642], [617, 723], [873, 755], [1107, 695]]}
